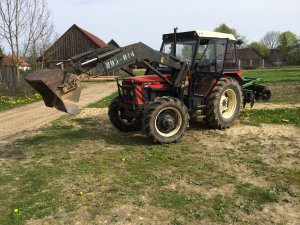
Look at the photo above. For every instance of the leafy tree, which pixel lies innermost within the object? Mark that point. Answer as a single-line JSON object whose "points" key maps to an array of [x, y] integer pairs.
{"points": [[271, 39], [289, 48], [287, 41], [293, 57], [260, 47], [223, 28]]}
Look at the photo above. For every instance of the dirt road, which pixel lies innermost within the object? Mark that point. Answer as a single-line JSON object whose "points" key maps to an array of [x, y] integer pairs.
{"points": [[26, 120]]}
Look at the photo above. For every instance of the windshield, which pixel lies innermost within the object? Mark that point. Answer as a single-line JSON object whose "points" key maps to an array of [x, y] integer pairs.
{"points": [[184, 49]]}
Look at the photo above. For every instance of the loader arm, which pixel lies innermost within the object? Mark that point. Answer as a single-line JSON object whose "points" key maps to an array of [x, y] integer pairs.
{"points": [[108, 60], [61, 88]]}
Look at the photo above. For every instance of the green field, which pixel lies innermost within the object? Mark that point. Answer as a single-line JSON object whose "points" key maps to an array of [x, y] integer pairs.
{"points": [[274, 76]]}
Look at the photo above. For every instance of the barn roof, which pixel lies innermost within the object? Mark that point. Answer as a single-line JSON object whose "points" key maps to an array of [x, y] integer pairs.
{"points": [[70, 44], [92, 37], [113, 43]]}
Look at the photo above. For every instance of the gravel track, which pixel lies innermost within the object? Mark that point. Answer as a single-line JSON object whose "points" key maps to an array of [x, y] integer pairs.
{"points": [[26, 120]]}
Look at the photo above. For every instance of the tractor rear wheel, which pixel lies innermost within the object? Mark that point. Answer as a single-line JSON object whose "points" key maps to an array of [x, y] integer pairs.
{"points": [[223, 104], [165, 119], [120, 121]]}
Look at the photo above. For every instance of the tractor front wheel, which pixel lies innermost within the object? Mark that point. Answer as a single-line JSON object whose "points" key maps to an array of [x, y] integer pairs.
{"points": [[223, 104], [165, 119], [120, 121]]}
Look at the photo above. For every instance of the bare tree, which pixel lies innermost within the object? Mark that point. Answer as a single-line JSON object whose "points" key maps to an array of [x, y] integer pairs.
{"points": [[40, 45], [271, 39], [23, 23], [1, 51]]}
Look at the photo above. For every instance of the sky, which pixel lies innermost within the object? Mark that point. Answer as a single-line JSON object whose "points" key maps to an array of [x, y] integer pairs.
{"points": [[130, 21]]}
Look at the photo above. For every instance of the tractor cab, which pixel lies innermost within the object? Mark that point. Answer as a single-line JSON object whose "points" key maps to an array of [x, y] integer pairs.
{"points": [[209, 55], [208, 51]]}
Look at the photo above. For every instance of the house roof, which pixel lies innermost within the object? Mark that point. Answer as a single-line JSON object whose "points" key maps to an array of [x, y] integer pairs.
{"points": [[7, 61], [10, 59], [248, 53]]}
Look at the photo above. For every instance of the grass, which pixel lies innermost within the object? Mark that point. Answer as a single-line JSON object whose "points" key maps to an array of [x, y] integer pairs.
{"points": [[7, 103], [82, 170], [15, 95], [104, 103], [271, 116], [78, 164], [274, 76]]}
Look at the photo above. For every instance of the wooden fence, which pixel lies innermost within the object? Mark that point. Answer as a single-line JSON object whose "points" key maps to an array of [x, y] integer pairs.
{"points": [[8, 76]]}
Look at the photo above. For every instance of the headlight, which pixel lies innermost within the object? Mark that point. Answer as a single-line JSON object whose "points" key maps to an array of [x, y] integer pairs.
{"points": [[131, 93]]}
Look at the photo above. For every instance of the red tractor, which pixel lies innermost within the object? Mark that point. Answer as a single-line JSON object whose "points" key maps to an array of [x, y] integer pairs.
{"points": [[194, 75]]}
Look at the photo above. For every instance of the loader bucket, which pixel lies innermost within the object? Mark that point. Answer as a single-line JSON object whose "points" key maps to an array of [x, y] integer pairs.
{"points": [[48, 83]]}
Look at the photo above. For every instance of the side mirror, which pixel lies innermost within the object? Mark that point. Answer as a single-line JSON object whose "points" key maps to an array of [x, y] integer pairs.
{"points": [[239, 42]]}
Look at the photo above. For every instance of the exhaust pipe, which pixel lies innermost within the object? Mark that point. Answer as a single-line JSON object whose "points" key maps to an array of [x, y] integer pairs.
{"points": [[50, 84]]}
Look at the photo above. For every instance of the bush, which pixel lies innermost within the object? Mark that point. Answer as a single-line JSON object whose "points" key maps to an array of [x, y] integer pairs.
{"points": [[20, 89]]}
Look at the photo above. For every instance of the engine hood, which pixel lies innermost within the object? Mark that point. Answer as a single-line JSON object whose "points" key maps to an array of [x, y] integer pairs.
{"points": [[147, 79]]}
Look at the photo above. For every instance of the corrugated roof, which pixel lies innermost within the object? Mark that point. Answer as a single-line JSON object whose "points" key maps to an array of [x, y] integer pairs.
{"points": [[92, 37]]}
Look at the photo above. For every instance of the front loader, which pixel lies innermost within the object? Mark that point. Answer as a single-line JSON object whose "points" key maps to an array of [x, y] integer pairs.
{"points": [[194, 75]]}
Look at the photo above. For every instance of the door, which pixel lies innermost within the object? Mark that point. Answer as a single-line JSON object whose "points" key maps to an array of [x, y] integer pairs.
{"points": [[209, 63]]}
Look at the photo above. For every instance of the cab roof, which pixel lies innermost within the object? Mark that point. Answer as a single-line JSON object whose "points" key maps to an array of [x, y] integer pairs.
{"points": [[210, 34], [198, 33]]}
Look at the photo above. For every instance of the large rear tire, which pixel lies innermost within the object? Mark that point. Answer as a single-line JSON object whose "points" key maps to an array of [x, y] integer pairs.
{"points": [[165, 119], [123, 123], [223, 103]]}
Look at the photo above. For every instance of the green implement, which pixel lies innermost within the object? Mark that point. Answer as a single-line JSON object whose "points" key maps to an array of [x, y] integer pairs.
{"points": [[253, 91]]}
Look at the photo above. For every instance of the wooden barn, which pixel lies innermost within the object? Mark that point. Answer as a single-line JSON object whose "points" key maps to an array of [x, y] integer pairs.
{"points": [[249, 58], [73, 42]]}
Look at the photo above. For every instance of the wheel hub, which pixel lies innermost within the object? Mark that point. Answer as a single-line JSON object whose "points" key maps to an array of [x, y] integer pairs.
{"points": [[225, 103], [168, 122]]}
